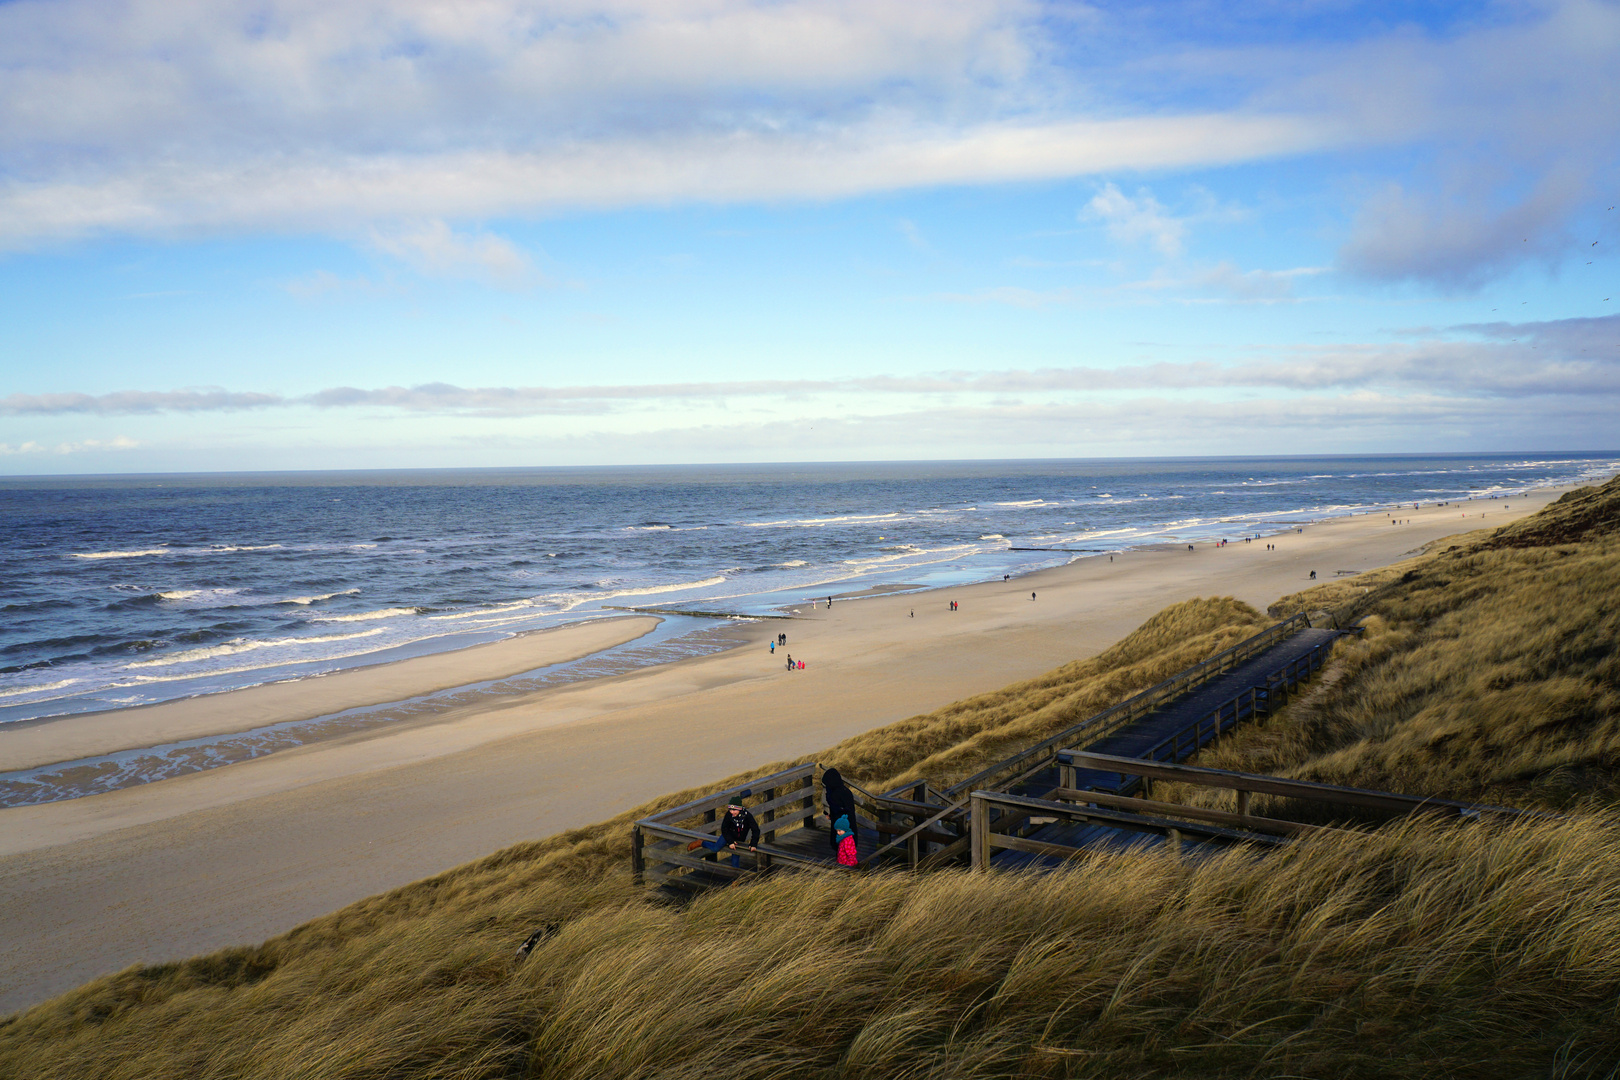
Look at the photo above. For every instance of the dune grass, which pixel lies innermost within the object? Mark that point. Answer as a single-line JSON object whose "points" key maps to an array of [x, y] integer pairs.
{"points": [[1489, 671], [1413, 950]]}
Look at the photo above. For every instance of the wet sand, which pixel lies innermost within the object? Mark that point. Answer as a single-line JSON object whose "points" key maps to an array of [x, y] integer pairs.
{"points": [[29, 743], [237, 854]]}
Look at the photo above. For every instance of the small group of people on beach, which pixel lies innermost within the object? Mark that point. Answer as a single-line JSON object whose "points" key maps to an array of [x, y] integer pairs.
{"points": [[781, 639], [739, 826]]}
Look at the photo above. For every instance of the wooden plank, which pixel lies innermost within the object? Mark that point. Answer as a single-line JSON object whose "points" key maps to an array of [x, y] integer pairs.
{"points": [[1037, 847], [1141, 822], [682, 837], [1197, 813], [691, 862], [1272, 785], [719, 798], [928, 834], [712, 828], [694, 883], [772, 805], [945, 855], [979, 831]]}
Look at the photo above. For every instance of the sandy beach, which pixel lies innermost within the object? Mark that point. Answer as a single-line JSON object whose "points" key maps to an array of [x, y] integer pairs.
{"points": [[237, 854]]}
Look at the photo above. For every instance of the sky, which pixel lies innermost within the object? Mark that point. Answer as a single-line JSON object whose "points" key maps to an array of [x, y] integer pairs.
{"points": [[290, 234]]}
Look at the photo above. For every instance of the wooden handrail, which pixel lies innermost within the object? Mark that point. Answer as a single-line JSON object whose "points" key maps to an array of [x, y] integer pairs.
{"points": [[917, 830], [1273, 785], [981, 843], [1276, 676], [1196, 813], [715, 800], [675, 832]]}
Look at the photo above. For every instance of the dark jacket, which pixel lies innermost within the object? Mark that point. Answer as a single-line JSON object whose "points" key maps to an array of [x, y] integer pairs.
{"points": [[733, 829], [840, 803]]}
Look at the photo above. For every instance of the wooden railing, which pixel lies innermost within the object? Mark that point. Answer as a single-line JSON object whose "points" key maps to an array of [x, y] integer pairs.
{"points": [[1255, 701], [913, 822], [1000, 820], [779, 802], [1131, 709], [921, 825], [1247, 784]]}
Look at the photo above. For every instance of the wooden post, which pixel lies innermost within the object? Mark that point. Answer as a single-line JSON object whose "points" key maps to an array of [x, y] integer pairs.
{"points": [[1147, 786], [769, 835], [1174, 841], [809, 801], [1243, 803], [914, 846], [1066, 775], [638, 862], [979, 832]]}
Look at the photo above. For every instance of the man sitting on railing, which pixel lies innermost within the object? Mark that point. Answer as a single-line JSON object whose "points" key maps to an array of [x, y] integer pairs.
{"points": [[734, 827]]}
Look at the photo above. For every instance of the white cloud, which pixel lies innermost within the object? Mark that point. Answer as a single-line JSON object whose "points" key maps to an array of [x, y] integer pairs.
{"points": [[1137, 220], [117, 442], [1564, 360], [176, 116], [738, 166], [435, 249]]}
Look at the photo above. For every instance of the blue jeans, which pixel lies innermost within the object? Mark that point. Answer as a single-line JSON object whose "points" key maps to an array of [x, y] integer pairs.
{"points": [[716, 844]]}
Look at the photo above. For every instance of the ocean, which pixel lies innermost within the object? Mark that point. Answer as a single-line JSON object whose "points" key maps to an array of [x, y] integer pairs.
{"points": [[121, 591]]}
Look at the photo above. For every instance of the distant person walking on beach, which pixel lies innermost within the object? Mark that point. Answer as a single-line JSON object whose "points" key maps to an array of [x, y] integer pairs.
{"points": [[790, 661], [773, 648], [1032, 596], [840, 817]]}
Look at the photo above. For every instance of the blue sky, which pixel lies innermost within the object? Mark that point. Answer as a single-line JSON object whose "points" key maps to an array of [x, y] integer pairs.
{"points": [[290, 235]]}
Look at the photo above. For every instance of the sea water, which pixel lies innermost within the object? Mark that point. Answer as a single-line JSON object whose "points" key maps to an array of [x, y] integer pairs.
{"points": [[121, 591]]}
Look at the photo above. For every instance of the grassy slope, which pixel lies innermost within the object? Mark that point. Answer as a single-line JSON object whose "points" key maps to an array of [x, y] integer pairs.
{"points": [[1412, 951], [416, 982]]}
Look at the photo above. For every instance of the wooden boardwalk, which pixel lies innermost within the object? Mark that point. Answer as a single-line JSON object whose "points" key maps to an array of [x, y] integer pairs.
{"points": [[1181, 728], [922, 826]]}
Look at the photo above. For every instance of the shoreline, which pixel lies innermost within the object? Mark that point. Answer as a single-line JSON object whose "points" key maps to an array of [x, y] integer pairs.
{"points": [[235, 855], [84, 740], [51, 740]]}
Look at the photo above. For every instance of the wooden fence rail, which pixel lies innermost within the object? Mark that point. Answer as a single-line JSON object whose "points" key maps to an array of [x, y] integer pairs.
{"points": [[997, 817], [1246, 784]]}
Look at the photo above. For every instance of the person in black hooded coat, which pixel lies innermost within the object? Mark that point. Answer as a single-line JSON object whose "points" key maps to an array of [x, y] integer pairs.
{"points": [[840, 814]]}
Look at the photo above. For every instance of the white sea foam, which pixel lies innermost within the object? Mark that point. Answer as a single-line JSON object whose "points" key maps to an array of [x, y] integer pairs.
{"points": [[791, 563], [1024, 502], [845, 519], [367, 616], [178, 595], [992, 536], [219, 549], [242, 645], [317, 599], [268, 665], [488, 612], [37, 688]]}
